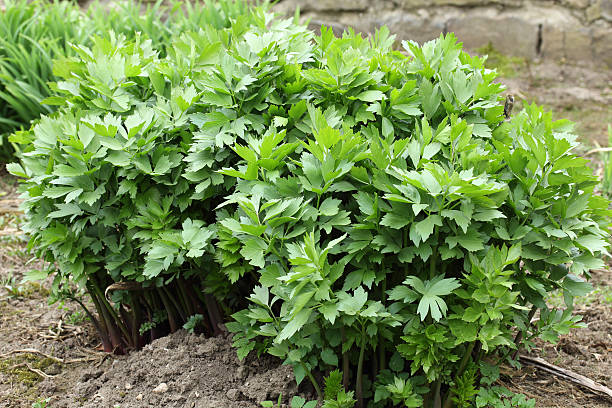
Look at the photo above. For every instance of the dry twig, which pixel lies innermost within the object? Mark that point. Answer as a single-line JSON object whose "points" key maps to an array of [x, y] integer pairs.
{"points": [[9, 231], [567, 374], [32, 369], [57, 360], [598, 150]]}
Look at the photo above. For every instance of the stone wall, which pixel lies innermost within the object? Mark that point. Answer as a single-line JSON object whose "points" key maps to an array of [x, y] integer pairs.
{"points": [[571, 30]]}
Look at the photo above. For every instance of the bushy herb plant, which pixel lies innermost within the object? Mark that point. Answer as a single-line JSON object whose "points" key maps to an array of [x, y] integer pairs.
{"points": [[606, 158], [360, 209]]}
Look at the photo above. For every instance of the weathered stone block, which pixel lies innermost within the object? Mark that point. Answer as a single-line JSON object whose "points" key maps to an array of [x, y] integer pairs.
{"points": [[409, 26], [340, 23], [412, 4], [606, 9], [553, 39], [577, 45], [593, 12], [480, 3], [578, 4], [337, 28], [602, 47], [287, 6], [510, 35], [360, 22]]}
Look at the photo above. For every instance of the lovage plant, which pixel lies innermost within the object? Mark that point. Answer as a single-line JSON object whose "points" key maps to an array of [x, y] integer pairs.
{"points": [[358, 210]]}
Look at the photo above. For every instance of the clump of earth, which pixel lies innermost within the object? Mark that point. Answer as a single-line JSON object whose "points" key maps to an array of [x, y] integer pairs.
{"points": [[181, 370]]}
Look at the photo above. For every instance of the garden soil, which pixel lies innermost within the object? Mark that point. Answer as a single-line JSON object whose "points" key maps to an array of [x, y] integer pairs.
{"points": [[51, 351], [180, 370]]}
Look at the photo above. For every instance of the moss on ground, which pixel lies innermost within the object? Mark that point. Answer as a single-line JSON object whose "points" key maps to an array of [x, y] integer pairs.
{"points": [[14, 369], [505, 65]]}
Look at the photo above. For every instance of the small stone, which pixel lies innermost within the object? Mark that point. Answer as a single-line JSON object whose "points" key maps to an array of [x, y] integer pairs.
{"points": [[89, 375], [161, 388], [242, 372], [54, 369], [233, 394], [580, 4], [128, 386], [139, 397]]}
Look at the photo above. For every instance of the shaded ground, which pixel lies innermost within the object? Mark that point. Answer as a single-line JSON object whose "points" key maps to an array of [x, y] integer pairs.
{"points": [[205, 372]]}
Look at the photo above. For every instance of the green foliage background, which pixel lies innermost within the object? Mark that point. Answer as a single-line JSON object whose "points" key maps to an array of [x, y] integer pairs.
{"points": [[33, 34]]}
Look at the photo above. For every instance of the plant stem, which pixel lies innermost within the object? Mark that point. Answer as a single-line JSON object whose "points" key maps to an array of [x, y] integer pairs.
{"points": [[434, 256], [519, 335], [106, 343], [213, 313], [345, 362], [359, 388], [114, 318], [137, 316], [381, 339], [460, 371], [183, 297], [169, 312], [180, 310], [313, 381], [437, 403], [115, 338]]}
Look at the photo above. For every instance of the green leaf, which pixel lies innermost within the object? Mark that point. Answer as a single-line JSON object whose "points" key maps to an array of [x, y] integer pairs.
{"points": [[351, 305], [254, 251], [576, 286], [295, 324], [371, 96], [329, 357], [395, 221], [423, 229], [329, 207], [403, 293], [470, 241], [34, 275], [65, 210], [464, 331], [431, 291]]}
